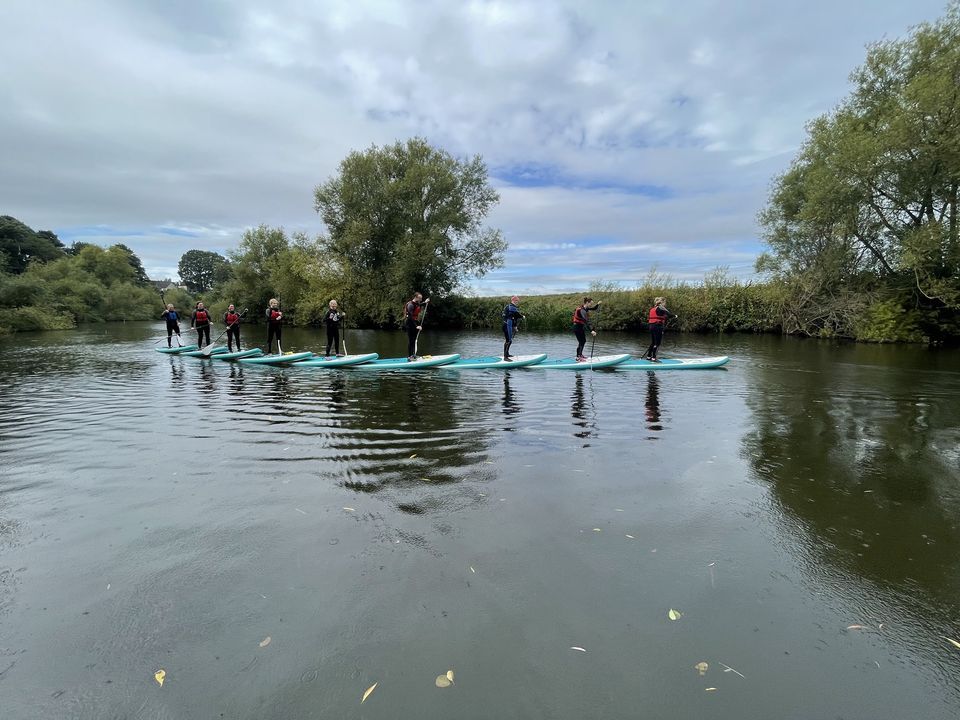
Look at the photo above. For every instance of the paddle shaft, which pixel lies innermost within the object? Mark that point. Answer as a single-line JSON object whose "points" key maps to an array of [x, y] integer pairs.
{"points": [[206, 350], [593, 341], [343, 337]]}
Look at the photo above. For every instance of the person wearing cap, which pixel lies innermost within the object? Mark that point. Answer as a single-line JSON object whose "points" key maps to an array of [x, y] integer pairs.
{"points": [[511, 321]]}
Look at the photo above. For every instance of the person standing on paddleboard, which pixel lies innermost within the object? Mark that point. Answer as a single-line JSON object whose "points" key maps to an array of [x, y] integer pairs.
{"points": [[200, 321], [173, 323], [411, 322], [274, 325], [511, 322], [231, 318], [332, 320], [657, 318], [581, 323]]}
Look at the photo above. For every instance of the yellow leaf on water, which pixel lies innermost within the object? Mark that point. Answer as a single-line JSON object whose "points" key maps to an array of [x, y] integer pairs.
{"points": [[350, 509], [631, 537], [367, 693], [709, 689], [952, 642], [442, 681], [674, 614], [265, 641], [412, 456], [702, 667], [450, 675], [597, 530], [472, 570], [159, 675], [856, 627], [579, 649]]}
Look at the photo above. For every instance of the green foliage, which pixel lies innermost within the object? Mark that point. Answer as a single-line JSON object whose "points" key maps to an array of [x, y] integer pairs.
{"points": [[869, 207], [202, 270], [889, 321], [407, 217], [19, 245]]}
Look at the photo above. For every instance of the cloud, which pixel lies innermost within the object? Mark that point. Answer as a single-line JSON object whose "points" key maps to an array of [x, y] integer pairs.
{"points": [[653, 126]]}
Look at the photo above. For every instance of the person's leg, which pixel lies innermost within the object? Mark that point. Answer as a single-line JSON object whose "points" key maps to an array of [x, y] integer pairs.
{"points": [[236, 336], [326, 352], [507, 339], [278, 330], [270, 330], [169, 336], [411, 341], [581, 338], [656, 338], [336, 341]]}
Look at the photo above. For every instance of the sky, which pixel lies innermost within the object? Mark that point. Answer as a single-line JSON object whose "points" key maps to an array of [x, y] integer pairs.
{"points": [[623, 137]]}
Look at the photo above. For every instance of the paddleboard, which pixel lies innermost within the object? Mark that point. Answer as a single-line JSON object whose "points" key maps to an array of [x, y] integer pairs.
{"points": [[239, 354], [594, 363], [495, 362], [675, 363], [276, 359], [178, 350], [404, 364], [332, 362], [200, 353]]}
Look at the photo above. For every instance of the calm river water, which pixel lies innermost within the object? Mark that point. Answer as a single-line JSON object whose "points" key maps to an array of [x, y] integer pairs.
{"points": [[279, 540]]}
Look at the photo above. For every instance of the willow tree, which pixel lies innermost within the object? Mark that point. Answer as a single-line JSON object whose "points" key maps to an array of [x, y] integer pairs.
{"points": [[864, 225], [407, 217]]}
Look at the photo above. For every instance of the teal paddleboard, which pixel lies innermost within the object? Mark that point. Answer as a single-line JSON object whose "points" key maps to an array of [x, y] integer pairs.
{"points": [[332, 362], [404, 364], [495, 363], [239, 354], [178, 350], [594, 363], [675, 363], [208, 353], [277, 359]]}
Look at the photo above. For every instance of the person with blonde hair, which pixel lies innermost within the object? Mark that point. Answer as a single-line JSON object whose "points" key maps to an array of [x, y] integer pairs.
{"points": [[657, 318], [511, 321], [274, 325]]}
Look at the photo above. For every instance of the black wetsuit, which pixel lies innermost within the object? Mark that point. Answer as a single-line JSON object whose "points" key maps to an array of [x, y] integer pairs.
{"points": [[173, 324], [511, 321], [274, 326], [581, 324], [332, 321], [412, 312], [202, 325], [232, 321], [656, 331]]}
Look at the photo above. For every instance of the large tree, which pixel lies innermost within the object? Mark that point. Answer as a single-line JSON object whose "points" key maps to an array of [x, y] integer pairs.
{"points": [[202, 269], [407, 217], [869, 210], [19, 245]]}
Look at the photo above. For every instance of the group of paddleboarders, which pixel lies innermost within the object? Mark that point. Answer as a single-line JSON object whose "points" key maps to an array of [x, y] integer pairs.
{"points": [[414, 312]]}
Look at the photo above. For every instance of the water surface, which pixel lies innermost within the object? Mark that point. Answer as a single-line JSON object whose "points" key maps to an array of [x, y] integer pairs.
{"points": [[800, 509]]}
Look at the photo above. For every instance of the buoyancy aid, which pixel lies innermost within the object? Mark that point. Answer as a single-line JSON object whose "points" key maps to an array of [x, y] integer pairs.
{"points": [[653, 317]]}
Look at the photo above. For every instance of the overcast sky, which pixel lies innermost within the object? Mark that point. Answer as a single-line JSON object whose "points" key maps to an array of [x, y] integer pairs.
{"points": [[621, 136]]}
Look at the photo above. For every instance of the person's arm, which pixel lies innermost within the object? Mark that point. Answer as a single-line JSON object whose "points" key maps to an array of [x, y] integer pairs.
{"points": [[193, 319], [663, 312]]}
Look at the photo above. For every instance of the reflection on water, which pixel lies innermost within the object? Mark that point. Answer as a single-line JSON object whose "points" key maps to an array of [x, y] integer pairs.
{"points": [[801, 509]]}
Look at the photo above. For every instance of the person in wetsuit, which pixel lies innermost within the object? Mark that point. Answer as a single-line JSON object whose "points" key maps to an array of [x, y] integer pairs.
{"points": [[274, 325], [200, 321], [332, 320], [511, 322], [173, 323], [411, 322], [231, 318], [657, 318], [581, 323]]}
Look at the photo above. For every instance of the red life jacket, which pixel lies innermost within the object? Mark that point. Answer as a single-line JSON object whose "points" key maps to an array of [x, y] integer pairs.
{"points": [[653, 318], [416, 311], [231, 318], [577, 318], [274, 315], [202, 316]]}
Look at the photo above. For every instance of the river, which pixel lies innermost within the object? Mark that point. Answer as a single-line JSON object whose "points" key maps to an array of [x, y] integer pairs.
{"points": [[277, 541]]}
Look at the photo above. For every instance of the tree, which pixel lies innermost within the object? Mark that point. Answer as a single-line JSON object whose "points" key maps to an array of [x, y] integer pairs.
{"points": [[869, 207], [19, 245], [407, 217], [140, 274], [201, 270]]}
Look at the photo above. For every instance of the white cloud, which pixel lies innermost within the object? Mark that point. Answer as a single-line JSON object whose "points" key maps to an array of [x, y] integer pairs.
{"points": [[215, 114]]}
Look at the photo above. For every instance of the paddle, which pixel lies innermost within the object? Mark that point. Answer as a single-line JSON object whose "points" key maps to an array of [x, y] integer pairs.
{"points": [[179, 341], [208, 349], [344, 338], [421, 320], [593, 342]]}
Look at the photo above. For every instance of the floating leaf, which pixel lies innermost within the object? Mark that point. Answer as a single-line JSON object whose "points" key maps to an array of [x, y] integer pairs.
{"points": [[709, 689], [450, 675], [367, 693], [300, 511], [631, 537], [702, 668], [674, 614], [727, 668], [952, 642], [579, 649], [265, 641], [159, 676], [856, 627], [412, 456], [472, 570], [443, 681], [350, 509], [597, 530]]}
